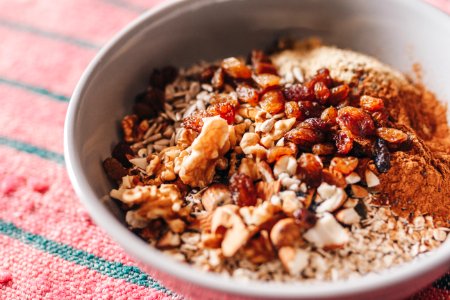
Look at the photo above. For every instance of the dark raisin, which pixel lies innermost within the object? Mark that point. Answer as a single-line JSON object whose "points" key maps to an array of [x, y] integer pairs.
{"points": [[114, 169], [315, 123], [304, 218], [310, 109], [151, 103], [161, 77], [298, 92], [382, 157], [120, 152], [207, 74], [242, 190]]}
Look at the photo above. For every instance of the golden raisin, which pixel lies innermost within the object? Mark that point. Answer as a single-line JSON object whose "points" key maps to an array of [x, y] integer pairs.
{"points": [[333, 177], [266, 81], [392, 135], [236, 68], [272, 102], [356, 121], [371, 104], [329, 115], [304, 137], [247, 94], [292, 110], [344, 142], [321, 92], [310, 166], [339, 94]]}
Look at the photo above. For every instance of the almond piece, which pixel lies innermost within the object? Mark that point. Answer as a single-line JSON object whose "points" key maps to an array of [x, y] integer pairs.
{"points": [[217, 194], [348, 216], [359, 192], [293, 260], [327, 233], [331, 200], [285, 233], [371, 179]]}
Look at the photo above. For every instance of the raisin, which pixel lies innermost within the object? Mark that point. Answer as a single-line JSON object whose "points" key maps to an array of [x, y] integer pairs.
{"points": [[339, 94], [380, 118], [236, 68], [305, 218], [272, 102], [310, 110], [314, 123], [323, 149], [223, 98], [344, 142], [259, 56], [242, 190], [265, 68], [195, 120], [321, 92], [207, 74], [382, 157], [292, 110], [323, 75], [225, 110], [358, 122], [247, 94], [344, 165], [162, 77], [149, 103], [144, 111], [392, 135], [266, 81], [114, 169], [120, 152], [310, 166], [298, 92], [329, 115], [304, 137], [371, 104], [218, 79]]}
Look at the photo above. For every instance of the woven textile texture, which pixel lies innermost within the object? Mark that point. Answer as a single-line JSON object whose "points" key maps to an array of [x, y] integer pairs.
{"points": [[49, 247]]}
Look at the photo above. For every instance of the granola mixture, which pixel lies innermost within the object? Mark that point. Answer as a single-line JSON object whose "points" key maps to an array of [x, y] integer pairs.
{"points": [[281, 168]]}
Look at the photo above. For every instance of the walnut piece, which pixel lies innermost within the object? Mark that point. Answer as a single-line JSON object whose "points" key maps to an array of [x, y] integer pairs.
{"points": [[198, 168]]}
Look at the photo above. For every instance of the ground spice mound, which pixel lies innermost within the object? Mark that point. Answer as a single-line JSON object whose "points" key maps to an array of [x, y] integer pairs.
{"points": [[419, 179]]}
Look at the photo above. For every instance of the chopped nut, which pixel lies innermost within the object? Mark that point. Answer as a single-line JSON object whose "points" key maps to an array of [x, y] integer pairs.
{"points": [[250, 145], [350, 203], [265, 126], [332, 197], [139, 162], [266, 189], [176, 225], [353, 178], [348, 216], [216, 195], [247, 112], [248, 167], [327, 233], [153, 165], [281, 127], [265, 171], [359, 192], [290, 202], [285, 233], [198, 168], [259, 249], [169, 240], [371, 179], [286, 164], [294, 260]]}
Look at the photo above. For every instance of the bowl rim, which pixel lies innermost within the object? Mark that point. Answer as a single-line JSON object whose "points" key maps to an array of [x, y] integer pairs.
{"points": [[155, 258]]}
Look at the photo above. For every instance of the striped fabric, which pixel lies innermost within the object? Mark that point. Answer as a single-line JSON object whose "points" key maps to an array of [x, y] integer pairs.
{"points": [[49, 247]]}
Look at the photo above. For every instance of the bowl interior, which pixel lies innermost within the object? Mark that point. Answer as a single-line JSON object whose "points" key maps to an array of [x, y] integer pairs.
{"points": [[399, 33]]}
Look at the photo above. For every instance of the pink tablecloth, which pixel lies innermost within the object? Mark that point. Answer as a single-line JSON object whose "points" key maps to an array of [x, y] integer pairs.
{"points": [[49, 248]]}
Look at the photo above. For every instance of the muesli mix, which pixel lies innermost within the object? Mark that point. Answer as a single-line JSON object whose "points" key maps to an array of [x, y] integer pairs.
{"points": [[279, 167]]}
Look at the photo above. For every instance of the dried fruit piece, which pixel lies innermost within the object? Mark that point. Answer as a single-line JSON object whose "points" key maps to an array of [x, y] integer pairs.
{"points": [[195, 121], [162, 77], [345, 165], [247, 94], [236, 68], [314, 123], [392, 135], [224, 110], [114, 168], [218, 79], [149, 103], [339, 94], [380, 118], [207, 74], [298, 92], [305, 218], [334, 177], [272, 102], [321, 92], [120, 152], [382, 157], [323, 75], [371, 104], [323, 149], [304, 137], [344, 142], [292, 110], [310, 166], [356, 121], [265, 68], [329, 115], [309, 110], [266, 81], [242, 190]]}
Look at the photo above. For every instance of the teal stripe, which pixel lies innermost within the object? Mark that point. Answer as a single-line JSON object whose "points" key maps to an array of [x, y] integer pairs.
{"points": [[112, 269], [24, 147], [34, 89], [48, 34]]}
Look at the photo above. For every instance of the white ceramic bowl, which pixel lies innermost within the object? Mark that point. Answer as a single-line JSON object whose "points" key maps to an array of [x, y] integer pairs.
{"points": [[183, 32]]}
